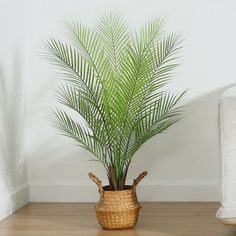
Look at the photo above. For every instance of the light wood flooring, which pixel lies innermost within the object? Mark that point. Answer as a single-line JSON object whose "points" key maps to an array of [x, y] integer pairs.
{"points": [[159, 219]]}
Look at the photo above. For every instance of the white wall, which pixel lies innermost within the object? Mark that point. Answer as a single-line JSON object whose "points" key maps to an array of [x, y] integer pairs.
{"points": [[183, 163]]}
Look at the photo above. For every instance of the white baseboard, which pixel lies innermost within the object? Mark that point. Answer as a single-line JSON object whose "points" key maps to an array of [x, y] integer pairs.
{"points": [[89, 193], [13, 201]]}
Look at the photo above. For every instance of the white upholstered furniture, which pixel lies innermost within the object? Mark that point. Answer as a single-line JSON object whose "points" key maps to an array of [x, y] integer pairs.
{"points": [[227, 138]]}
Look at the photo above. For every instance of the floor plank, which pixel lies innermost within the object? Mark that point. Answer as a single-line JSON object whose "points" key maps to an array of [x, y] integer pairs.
{"points": [[159, 219]]}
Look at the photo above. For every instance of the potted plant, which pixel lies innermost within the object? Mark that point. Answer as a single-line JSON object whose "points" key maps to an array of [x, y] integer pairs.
{"points": [[115, 81]]}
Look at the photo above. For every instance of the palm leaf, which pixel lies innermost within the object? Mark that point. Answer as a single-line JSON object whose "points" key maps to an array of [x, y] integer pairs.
{"points": [[114, 80], [84, 137]]}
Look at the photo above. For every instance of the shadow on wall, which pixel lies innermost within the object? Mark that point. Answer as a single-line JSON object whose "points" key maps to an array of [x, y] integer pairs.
{"points": [[188, 152], [13, 172], [186, 155]]}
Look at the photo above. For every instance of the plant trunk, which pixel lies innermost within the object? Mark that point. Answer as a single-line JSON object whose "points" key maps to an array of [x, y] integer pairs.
{"points": [[113, 182], [112, 178]]}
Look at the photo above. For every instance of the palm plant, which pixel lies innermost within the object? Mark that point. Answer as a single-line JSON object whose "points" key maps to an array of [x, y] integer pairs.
{"points": [[114, 80]]}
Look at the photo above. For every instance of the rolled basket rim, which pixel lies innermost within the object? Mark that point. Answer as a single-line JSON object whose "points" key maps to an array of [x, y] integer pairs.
{"points": [[127, 188]]}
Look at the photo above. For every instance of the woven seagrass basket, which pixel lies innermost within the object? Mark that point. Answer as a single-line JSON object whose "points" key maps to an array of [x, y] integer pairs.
{"points": [[117, 209]]}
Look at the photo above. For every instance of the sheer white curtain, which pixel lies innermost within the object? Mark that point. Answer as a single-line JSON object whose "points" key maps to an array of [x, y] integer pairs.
{"points": [[13, 172]]}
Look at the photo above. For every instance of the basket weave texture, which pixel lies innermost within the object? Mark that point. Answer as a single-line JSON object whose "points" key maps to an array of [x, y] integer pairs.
{"points": [[117, 209]]}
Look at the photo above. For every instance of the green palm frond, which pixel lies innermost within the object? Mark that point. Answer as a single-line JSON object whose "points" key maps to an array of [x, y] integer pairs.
{"points": [[114, 37], [114, 80], [83, 136]]}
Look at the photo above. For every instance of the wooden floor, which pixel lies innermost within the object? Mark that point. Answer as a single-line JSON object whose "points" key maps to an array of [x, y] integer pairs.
{"points": [[159, 219]]}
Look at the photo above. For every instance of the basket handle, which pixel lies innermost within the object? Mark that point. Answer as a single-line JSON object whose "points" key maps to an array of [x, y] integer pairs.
{"points": [[138, 179], [97, 181]]}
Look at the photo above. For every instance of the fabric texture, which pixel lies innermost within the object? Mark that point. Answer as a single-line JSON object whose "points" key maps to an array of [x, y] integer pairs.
{"points": [[227, 138]]}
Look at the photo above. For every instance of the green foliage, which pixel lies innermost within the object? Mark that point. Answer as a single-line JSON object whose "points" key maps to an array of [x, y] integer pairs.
{"points": [[114, 80]]}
